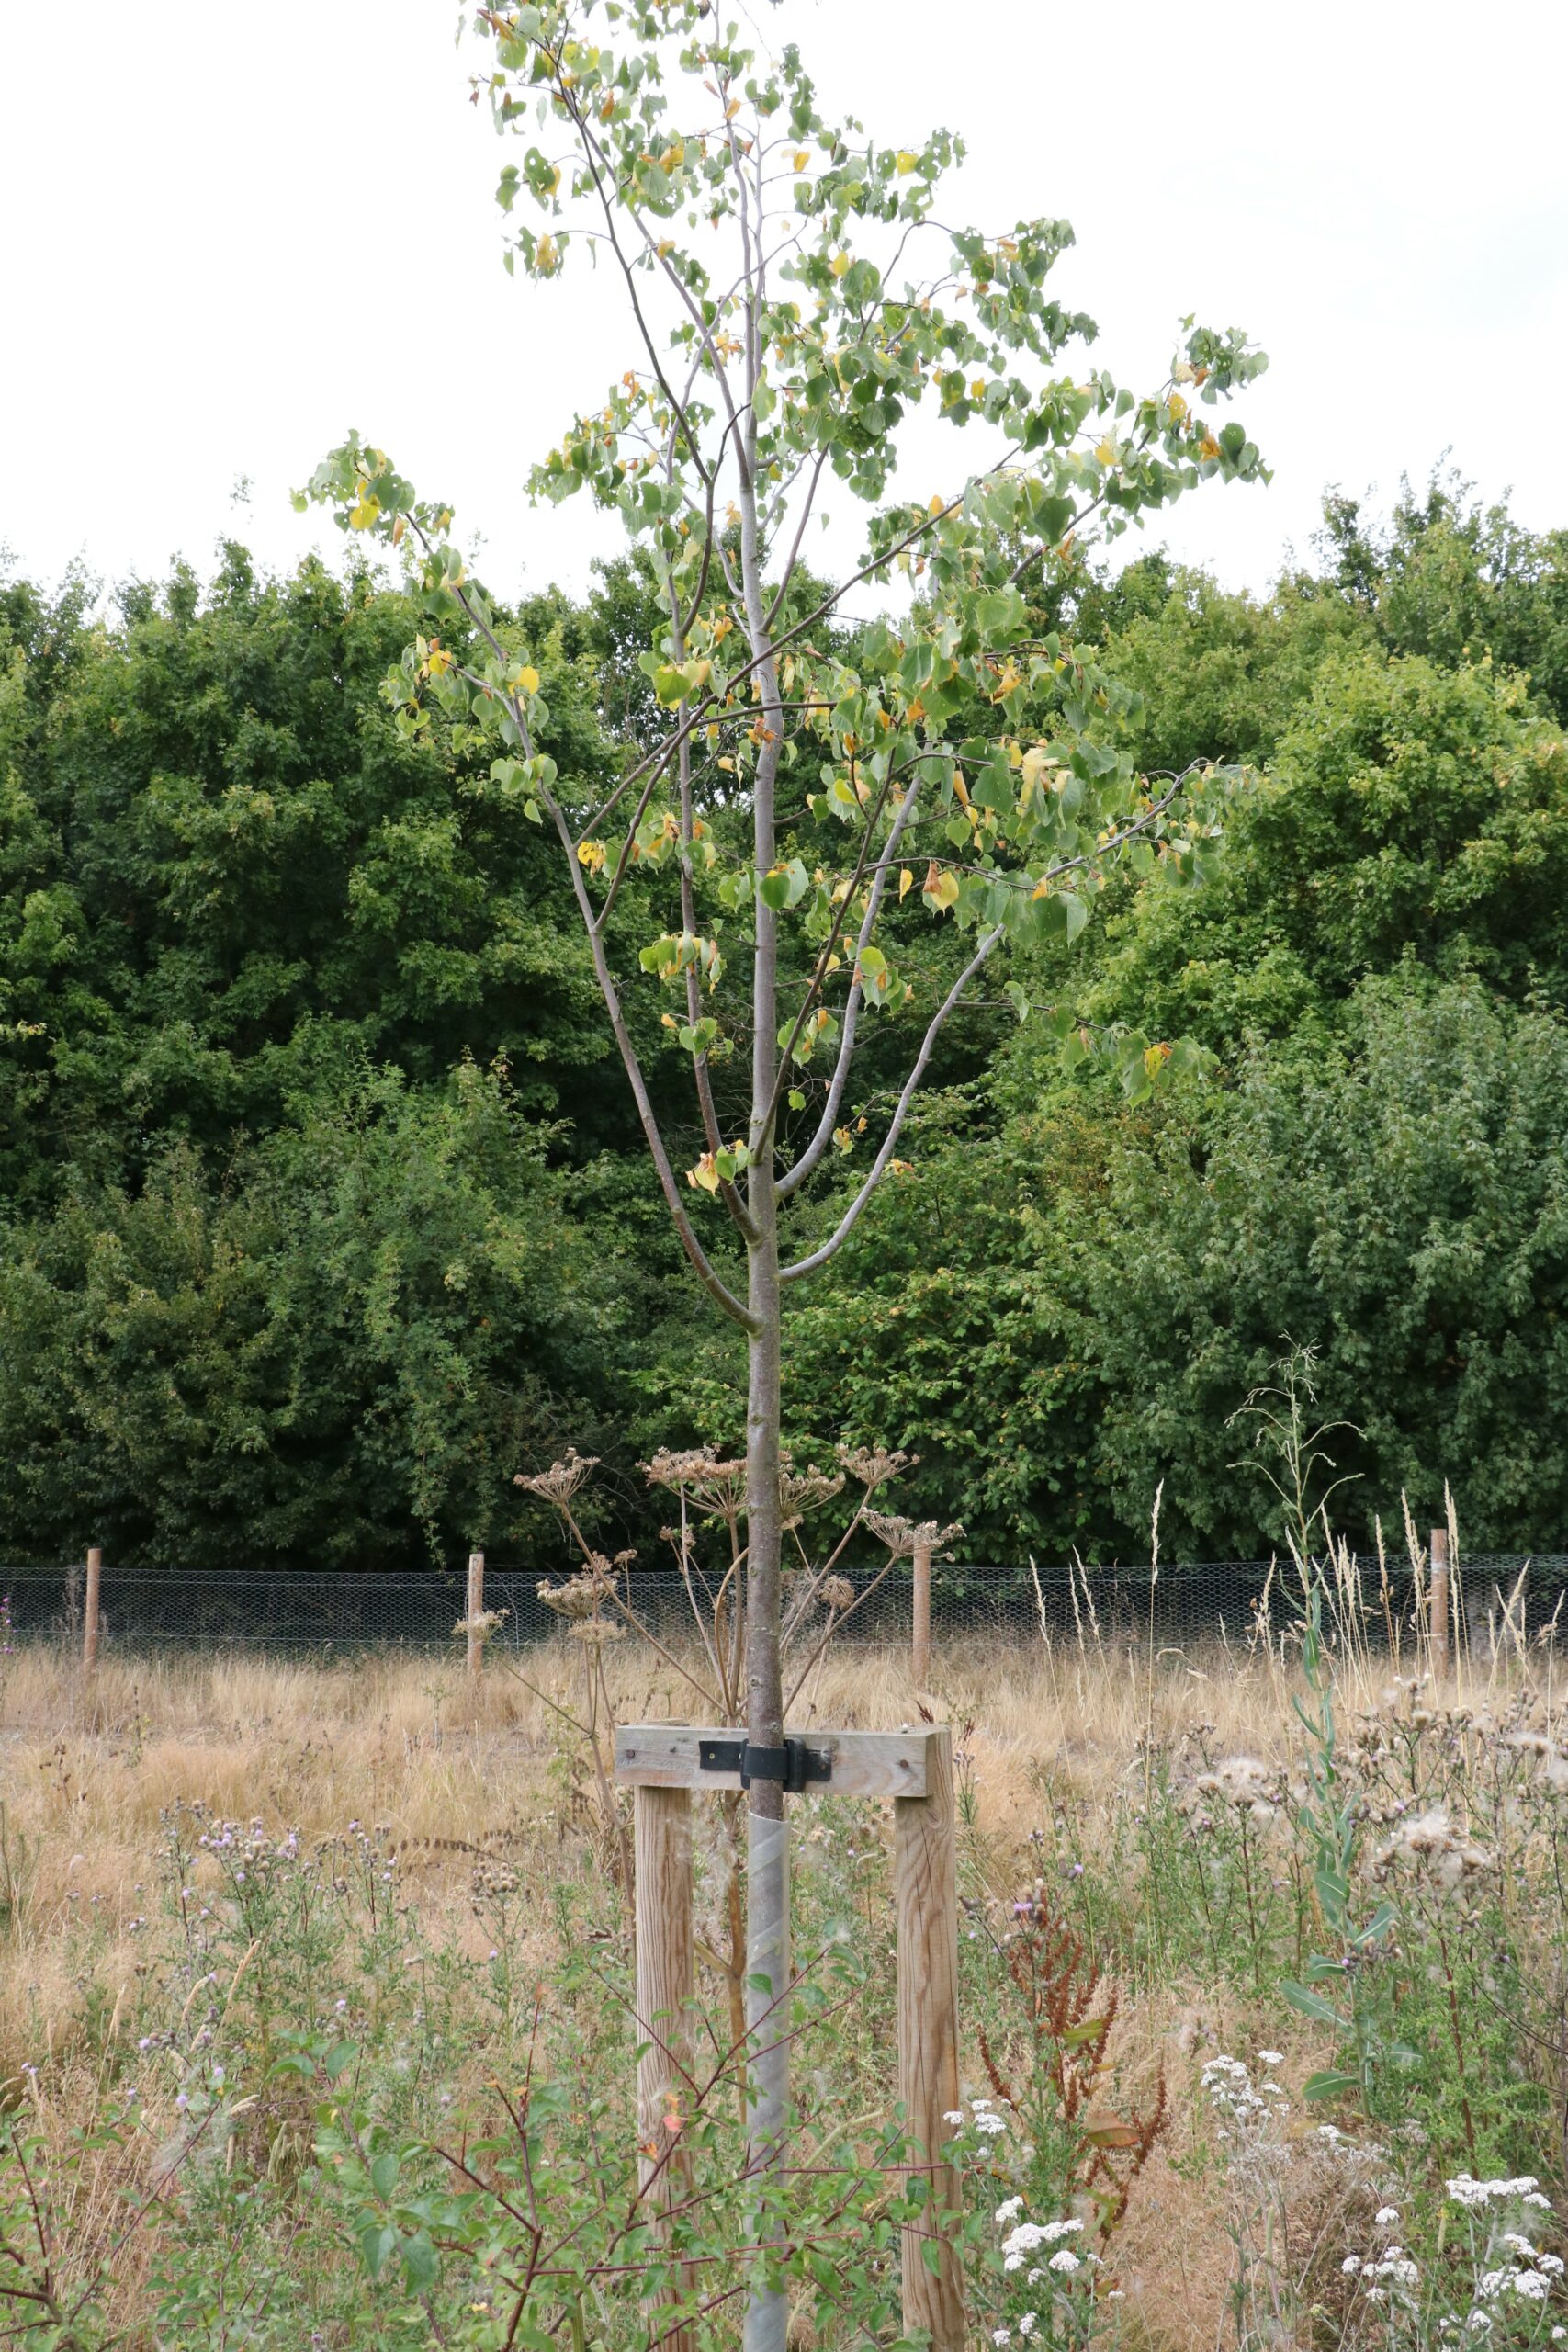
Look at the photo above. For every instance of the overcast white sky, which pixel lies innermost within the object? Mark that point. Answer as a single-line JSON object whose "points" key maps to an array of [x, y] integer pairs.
{"points": [[233, 231]]}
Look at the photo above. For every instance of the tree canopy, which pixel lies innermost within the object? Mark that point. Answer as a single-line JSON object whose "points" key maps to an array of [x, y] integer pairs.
{"points": [[297, 1043]]}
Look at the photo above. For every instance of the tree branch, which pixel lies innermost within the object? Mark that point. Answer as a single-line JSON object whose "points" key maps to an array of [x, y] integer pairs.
{"points": [[851, 1217], [820, 1141], [712, 1282]]}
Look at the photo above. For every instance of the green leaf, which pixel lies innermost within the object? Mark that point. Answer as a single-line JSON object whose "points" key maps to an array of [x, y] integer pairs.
{"points": [[377, 2241], [785, 886], [1311, 2004], [999, 613], [384, 2174], [422, 2264], [1329, 2085]]}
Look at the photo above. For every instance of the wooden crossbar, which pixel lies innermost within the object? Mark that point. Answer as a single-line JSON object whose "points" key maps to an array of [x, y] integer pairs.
{"points": [[864, 1763]]}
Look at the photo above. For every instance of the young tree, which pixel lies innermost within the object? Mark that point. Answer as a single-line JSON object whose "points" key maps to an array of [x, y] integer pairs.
{"points": [[796, 303]]}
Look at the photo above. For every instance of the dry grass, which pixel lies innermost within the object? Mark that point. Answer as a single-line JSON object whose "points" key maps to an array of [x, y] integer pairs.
{"points": [[87, 1773]]}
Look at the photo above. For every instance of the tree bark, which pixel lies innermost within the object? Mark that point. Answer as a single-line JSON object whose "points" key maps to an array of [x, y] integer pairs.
{"points": [[767, 1837]]}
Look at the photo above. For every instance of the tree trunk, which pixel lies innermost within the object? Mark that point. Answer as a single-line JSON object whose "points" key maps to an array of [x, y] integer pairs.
{"points": [[767, 1839]]}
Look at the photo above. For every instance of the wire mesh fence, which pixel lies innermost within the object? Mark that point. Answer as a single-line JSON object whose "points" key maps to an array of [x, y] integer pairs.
{"points": [[1498, 1598]]}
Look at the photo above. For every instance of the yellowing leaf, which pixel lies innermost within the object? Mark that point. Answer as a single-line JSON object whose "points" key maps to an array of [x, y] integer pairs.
{"points": [[904, 879], [704, 1177], [1105, 452], [361, 516], [1208, 446], [839, 265], [591, 856], [939, 889], [908, 161], [801, 159], [528, 677]]}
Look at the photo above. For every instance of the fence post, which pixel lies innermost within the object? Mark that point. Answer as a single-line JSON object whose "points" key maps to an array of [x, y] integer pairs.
{"points": [[90, 1612], [920, 1642], [925, 1895], [663, 1834], [475, 1611], [1438, 1601]]}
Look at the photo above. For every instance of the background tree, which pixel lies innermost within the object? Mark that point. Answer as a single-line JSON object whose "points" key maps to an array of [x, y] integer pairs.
{"points": [[795, 302]]}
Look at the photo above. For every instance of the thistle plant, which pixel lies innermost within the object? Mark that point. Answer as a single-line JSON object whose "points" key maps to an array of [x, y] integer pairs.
{"points": [[1326, 1825]]}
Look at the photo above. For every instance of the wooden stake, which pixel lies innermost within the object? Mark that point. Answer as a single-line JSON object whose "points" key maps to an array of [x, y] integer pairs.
{"points": [[664, 1991], [90, 1612], [475, 1611], [921, 1644], [1438, 1602], [926, 1893]]}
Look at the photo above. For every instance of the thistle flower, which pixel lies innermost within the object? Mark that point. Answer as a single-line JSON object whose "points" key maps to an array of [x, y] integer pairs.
{"points": [[1429, 1841], [1244, 1783]]}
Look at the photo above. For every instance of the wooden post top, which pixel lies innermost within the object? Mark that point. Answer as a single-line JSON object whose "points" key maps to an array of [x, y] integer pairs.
{"points": [[864, 1763]]}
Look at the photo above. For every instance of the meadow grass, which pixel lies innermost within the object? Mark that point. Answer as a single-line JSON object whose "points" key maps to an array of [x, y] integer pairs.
{"points": [[1141, 1840]]}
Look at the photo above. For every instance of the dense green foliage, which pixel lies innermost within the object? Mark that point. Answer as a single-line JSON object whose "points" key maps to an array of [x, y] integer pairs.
{"points": [[298, 1039]]}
